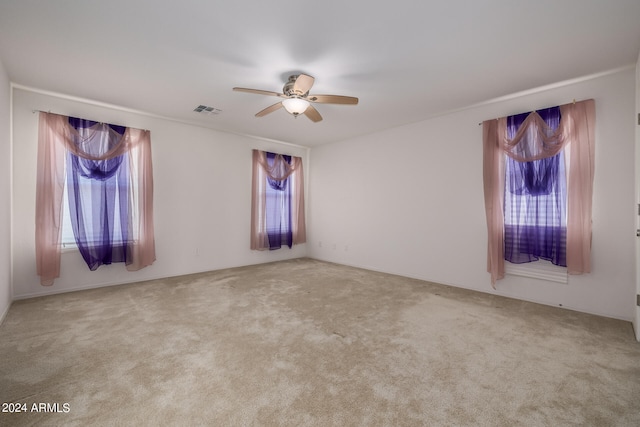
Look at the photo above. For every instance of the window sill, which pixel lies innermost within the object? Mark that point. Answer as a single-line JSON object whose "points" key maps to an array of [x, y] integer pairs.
{"points": [[72, 247], [68, 247], [541, 269]]}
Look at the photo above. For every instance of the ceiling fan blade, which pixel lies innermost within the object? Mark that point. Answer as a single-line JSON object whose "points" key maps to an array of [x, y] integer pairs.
{"points": [[333, 99], [269, 109], [313, 114], [303, 84], [257, 91]]}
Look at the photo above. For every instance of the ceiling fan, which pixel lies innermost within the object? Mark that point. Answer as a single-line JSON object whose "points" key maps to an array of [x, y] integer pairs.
{"points": [[297, 98]]}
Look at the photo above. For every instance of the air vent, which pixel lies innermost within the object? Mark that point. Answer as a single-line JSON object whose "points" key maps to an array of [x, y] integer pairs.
{"points": [[203, 109]]}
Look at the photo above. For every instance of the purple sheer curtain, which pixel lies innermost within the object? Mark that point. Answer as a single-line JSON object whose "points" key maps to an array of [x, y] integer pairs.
{"points": [[278, 207], [99, 194], [535, 199]]}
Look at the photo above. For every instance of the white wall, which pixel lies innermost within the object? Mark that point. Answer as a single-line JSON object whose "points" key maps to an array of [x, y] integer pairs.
{"points": [[5, 195], [410, 201], [202, 184]]}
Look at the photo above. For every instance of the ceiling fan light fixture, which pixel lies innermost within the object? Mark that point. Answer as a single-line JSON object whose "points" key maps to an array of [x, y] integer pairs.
{"points": [[295, 106]]}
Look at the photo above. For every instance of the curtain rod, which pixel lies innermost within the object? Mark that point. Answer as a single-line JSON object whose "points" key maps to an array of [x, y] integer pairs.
{"points": [[572, 102], [102, 123]]}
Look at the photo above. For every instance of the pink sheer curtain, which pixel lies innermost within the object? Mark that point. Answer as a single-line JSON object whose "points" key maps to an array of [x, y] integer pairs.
{"points": [[54, 139], [575, 134], [278, 171]]}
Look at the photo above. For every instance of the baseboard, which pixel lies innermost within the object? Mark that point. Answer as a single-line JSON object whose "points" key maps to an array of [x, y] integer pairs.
{"points": [[364, 267], [487, 291], [49, 290]]}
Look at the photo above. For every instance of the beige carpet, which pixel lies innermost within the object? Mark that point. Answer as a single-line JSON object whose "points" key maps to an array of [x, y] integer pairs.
{"points": [[308, 343]]}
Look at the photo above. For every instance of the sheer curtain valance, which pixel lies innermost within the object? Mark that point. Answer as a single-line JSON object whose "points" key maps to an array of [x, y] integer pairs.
{"points": [[277, 201], [535, 140], [69, 149]]}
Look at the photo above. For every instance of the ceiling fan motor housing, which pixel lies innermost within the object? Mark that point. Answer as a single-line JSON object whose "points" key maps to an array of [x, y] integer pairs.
{"points": [[288, 89]]}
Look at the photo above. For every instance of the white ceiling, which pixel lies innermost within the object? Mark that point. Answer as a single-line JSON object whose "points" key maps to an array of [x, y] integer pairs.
{"points": [[406, 60]]}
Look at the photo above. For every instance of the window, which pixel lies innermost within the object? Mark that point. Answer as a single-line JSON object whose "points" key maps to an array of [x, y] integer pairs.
{"points": [[84, 223], [96, 192], [277, 216], [277, 208], [535, 199]]}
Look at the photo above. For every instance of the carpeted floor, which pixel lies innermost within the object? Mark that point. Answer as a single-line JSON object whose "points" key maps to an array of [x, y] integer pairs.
{"points": [[308, 343]]}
